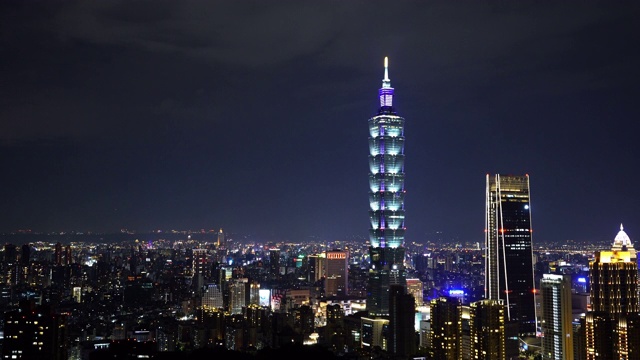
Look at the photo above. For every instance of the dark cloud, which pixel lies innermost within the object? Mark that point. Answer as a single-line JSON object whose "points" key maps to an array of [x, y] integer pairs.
{"points": [[252, 114], [250, 33], [79, 44]]}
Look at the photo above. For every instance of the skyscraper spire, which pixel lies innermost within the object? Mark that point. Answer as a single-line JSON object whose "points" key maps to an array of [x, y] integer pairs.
{"points": [[386, 72], [386, 201], [386, 91]]}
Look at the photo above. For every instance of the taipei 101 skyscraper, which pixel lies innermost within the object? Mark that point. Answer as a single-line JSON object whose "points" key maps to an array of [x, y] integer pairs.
{"points": [[386, 201]]}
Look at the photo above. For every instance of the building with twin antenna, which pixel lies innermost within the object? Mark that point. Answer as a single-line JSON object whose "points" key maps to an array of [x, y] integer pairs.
{"points": [[508, 249]]}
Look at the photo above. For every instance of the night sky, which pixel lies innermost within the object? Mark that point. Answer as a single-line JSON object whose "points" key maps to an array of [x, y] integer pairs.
{"points": [[252, 115]]}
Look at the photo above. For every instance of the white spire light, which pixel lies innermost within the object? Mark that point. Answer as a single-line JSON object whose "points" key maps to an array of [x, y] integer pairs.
{"points": [[386, 92], [386, 69]]}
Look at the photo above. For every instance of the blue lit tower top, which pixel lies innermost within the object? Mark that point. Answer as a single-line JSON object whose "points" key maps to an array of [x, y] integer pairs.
{"points": [[386, 171]]}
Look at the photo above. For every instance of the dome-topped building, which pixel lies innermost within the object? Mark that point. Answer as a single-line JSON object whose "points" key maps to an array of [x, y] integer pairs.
{"points": [[622, 242], [609, 326]]}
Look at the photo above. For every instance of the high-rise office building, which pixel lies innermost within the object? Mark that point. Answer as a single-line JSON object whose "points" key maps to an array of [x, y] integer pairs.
{"points": [[613, 276], [373, 333], [445, 335], [579, 339], [212, 298], [133, 262], [415, 288], [556, 324], [10, 264], [254, 292], [200, 268], [58, 254], [10, 253], [237, 295], [386, 201], [34, 332], [508, 249], [403, 339], [303, 320], [221, 247], [316, 267], [628, 332], [334, 313], [68, 255], [25, 262], [487, 330], [337, 272], [464, 332], [274, 263], [25, 256], [220, 238], [599, 336]]}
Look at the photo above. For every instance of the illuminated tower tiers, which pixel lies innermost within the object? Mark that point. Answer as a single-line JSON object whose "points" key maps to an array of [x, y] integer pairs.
{"points": [[386, 201]]}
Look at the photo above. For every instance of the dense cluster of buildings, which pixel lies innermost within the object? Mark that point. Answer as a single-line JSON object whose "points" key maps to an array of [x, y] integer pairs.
{"points": [[165, 296], [378, 298]]}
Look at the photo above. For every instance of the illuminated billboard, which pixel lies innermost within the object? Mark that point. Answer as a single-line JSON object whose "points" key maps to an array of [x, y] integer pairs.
{"points": [[265, 297]]}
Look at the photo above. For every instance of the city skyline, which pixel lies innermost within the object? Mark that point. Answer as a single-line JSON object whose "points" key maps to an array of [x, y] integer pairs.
{"points": [[193, 115]]}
